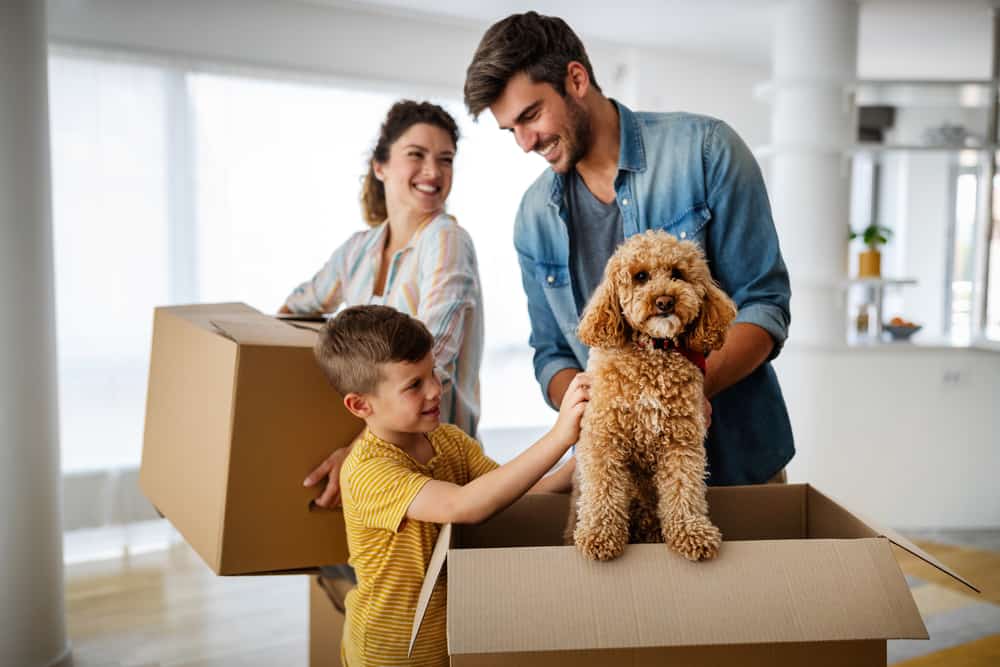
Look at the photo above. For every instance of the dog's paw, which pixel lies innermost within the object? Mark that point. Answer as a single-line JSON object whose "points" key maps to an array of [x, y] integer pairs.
{"points": [[695, 539], [598, 546]]}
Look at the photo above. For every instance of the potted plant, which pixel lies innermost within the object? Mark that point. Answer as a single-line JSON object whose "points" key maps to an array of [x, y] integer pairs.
{"points": [[870, 261]]}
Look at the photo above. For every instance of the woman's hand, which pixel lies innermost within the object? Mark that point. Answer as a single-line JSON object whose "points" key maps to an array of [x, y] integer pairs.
{"points": [[567, 426], [329, 470]]}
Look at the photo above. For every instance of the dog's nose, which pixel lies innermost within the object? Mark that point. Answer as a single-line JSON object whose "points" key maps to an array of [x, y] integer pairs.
{"points": [[665, 304]]}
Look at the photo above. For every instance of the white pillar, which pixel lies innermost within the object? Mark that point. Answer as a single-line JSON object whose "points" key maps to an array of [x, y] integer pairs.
{"points": [[812, 124], [32, 618]]}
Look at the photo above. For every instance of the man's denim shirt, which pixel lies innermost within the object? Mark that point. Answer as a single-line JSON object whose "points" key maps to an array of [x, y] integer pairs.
{"points": [[695, 178]]}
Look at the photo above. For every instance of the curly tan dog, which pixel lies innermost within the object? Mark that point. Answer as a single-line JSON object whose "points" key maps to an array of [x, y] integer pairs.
{"points": [[641, 458]]}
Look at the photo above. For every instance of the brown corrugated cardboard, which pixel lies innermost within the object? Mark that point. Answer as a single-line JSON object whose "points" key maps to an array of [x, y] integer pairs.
{"points": [[326, 620], [800, 580], [237, 414]]}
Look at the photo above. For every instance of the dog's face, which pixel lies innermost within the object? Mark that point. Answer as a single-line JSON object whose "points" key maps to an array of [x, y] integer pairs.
{"points": [[661, 287]]}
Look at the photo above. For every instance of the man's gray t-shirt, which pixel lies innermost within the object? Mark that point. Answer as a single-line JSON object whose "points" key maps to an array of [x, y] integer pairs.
{"points": [[595, 231]]}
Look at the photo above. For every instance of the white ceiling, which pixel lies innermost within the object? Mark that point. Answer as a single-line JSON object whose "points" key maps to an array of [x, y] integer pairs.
{"points": [[723, 29]]}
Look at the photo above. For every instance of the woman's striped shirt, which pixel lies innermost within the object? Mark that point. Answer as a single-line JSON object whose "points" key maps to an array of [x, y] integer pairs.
{"points": [[435, 278]]}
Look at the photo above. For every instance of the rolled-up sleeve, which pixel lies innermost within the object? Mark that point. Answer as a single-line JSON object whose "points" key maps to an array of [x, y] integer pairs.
{"points": [[742, 243], [324, 292]]}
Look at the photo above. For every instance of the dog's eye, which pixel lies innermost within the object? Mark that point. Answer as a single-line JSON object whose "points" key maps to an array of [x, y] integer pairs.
{"points": [[641, 277], [675, 274]]}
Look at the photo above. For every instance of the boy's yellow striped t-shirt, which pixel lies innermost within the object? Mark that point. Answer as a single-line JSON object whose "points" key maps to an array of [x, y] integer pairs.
{"points": [[389, 553]]}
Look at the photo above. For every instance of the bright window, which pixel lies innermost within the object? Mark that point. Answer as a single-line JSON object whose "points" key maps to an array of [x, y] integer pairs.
{"points": [[174, 186]]}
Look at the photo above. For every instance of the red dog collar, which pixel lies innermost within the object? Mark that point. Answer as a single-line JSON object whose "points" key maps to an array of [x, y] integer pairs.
{"points": [[695, 357]]}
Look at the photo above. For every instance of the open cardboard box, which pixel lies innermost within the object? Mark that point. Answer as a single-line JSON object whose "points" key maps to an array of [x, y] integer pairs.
{"points": [[799, 581], [237, 414]]}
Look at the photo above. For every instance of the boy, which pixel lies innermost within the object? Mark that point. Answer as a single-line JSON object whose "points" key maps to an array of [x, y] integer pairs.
{"points": [[408, 473]]}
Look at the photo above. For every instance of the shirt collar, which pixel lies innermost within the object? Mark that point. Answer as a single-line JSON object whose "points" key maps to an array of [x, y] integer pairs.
{"points": [[631, 150]]}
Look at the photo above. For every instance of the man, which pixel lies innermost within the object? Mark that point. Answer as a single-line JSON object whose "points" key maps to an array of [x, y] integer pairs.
{"points": [[615, 173]]}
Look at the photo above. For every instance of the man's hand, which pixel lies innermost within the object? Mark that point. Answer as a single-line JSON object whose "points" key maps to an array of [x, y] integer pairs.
{"points": [[708, 412], [329, 470]]}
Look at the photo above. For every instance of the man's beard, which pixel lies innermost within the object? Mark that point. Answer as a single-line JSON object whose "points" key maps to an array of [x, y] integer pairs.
{"points": [[578, 130]]}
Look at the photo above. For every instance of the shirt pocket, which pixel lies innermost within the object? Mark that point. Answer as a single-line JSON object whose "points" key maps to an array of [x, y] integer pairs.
{"points": [[551, 276], [690, 225], [554, 280]]}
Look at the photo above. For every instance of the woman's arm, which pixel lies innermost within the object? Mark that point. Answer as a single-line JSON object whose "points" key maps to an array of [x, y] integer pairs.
{"points": [[449, 296], [325, 290]]}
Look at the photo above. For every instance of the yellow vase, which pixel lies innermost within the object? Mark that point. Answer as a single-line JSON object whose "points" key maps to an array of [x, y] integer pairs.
{"points": [[870, 264]]}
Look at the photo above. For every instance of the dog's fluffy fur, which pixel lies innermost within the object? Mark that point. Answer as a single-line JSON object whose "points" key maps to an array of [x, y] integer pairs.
{"points": [[640, 473]]}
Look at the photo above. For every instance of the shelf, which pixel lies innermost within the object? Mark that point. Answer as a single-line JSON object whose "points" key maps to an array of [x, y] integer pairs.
{"points": [[918, 148], [879, 282], [929, 93]]}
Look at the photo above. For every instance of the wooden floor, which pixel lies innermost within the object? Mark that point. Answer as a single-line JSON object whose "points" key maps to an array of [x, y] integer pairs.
{"points": [[167, 609]]}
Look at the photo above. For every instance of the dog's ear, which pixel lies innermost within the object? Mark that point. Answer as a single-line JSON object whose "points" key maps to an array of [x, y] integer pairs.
{"points": [[717, 312], [603, 324]]}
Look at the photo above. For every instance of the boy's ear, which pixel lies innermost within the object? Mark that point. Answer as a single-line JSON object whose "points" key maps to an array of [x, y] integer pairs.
{"points": [[358, 405]]}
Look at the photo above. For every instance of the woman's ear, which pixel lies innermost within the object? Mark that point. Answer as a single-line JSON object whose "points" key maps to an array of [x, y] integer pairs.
{"points": [[717, 312], [378, 170], [602, 324]]}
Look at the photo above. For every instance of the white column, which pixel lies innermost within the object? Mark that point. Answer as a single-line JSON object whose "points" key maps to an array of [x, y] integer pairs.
{"points": [[812, 123], [32, 619]]}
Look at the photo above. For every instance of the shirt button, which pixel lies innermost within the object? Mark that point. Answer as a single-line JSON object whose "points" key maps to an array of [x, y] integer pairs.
{"points": [[684, 235], [551, 279], [625, 202]]}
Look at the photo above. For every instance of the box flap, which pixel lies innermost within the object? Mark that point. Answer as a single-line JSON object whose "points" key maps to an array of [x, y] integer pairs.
{"points": [[202, 314], [258, 329], [755, 592], [817, 499], [438, 557], [907, 545]]}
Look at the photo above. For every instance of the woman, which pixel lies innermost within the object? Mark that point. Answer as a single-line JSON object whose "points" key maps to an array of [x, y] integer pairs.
{"points": [[414, 258]]}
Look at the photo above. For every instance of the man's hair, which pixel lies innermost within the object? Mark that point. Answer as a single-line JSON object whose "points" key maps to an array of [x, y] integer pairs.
{"points": [[541, 46], [351, 346]]}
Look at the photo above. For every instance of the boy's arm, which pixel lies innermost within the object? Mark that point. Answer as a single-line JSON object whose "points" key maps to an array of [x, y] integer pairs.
{"points": [[443, 502], [561, 481]]}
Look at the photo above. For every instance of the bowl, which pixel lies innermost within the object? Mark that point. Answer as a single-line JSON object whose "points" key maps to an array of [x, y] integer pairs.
{"points": [[901, 332]]}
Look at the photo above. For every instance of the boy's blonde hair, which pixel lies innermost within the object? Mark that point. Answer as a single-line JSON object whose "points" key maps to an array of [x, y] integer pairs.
{"points": [[351, 346]]}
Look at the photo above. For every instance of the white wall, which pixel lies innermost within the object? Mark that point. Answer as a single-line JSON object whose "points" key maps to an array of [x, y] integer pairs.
{"points": [[353, 43], [906, 435], [671, 81], [916, 39]]}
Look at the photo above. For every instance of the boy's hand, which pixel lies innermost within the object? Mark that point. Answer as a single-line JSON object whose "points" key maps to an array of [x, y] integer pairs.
{"points": [[329, 469], [567, 426]]}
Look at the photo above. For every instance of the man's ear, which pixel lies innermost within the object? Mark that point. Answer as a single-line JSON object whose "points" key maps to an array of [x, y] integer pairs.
{"points": [[577, 80], [358, 405]]}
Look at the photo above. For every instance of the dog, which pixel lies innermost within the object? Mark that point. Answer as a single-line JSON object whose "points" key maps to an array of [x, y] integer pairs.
{"points": [[641, 464]]}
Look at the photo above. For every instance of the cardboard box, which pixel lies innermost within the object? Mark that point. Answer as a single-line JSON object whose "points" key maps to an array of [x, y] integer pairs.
{"points": [[799, 581], [326, 620], [237, 414]]}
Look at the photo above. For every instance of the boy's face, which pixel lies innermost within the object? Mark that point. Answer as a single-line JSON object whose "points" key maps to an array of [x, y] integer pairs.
{"points": [[406, 400], [543, 121]]}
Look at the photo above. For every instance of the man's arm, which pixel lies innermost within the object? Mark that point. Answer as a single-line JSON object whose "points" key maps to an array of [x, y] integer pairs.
{"points": [[553, 354], [559, 383], [747, 346], [745, 257], [443, 502]]}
